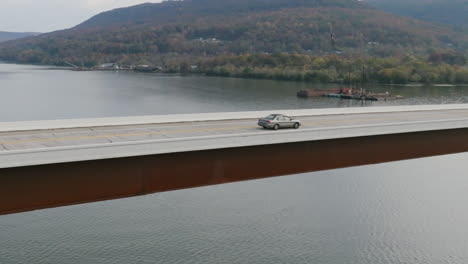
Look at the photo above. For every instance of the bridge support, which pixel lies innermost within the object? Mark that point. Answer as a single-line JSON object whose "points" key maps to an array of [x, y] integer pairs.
{"points": [[36, 187]]}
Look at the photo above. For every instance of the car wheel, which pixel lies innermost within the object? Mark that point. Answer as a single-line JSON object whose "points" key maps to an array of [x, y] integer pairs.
{"points": [[264, 127], [296, 125], [276, 127]]}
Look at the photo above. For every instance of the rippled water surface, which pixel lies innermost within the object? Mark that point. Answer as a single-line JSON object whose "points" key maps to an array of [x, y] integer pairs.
{"points": [[39, 93], [404, 212]]}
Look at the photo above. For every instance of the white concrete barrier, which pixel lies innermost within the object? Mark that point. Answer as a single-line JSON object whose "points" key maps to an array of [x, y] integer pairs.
{"points": [[158, 119], [161, 146]]}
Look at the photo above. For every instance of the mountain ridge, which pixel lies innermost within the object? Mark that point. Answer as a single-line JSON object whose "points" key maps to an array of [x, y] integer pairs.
{"points": [[183, 11], [6, 36], [233, 27]]}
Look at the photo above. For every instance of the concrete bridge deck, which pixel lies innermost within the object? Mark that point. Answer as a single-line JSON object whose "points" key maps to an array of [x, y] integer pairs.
{"points": [[49, 142]]}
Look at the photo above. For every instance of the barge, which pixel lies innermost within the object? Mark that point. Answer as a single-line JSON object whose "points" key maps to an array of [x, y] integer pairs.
{"points": [[347, 93]]}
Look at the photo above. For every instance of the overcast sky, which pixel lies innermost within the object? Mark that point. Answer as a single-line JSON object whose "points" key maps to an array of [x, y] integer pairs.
{"points": [[50, 15]]}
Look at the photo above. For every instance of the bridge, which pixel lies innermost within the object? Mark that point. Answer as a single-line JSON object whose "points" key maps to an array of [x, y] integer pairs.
{"points": [[53, 163]]}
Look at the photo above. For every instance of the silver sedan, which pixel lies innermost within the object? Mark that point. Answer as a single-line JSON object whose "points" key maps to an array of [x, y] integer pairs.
{"points": [[277, 121]]}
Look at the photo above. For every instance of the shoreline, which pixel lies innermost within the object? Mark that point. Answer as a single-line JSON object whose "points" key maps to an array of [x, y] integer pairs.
{"points": [[208, 74]]}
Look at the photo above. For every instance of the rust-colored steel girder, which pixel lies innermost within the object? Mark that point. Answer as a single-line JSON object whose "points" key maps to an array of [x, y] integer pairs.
{"points": [[35, 187]]}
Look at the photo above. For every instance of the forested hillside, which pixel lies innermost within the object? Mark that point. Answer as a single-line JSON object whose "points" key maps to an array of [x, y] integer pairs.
{"points": [[451, 12], [188, 10], [175, 34]]}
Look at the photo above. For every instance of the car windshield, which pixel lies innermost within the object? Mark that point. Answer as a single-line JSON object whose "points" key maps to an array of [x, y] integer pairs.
{"points": [[270, 117]]}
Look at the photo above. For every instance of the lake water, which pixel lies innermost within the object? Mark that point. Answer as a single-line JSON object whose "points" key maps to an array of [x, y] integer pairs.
{"points": [[403, 212], [38, 93]]}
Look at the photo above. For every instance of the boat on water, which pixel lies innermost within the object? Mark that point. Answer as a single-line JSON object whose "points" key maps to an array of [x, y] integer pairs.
{"points": [[317, 92], [351, 97], [347, 93]]}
